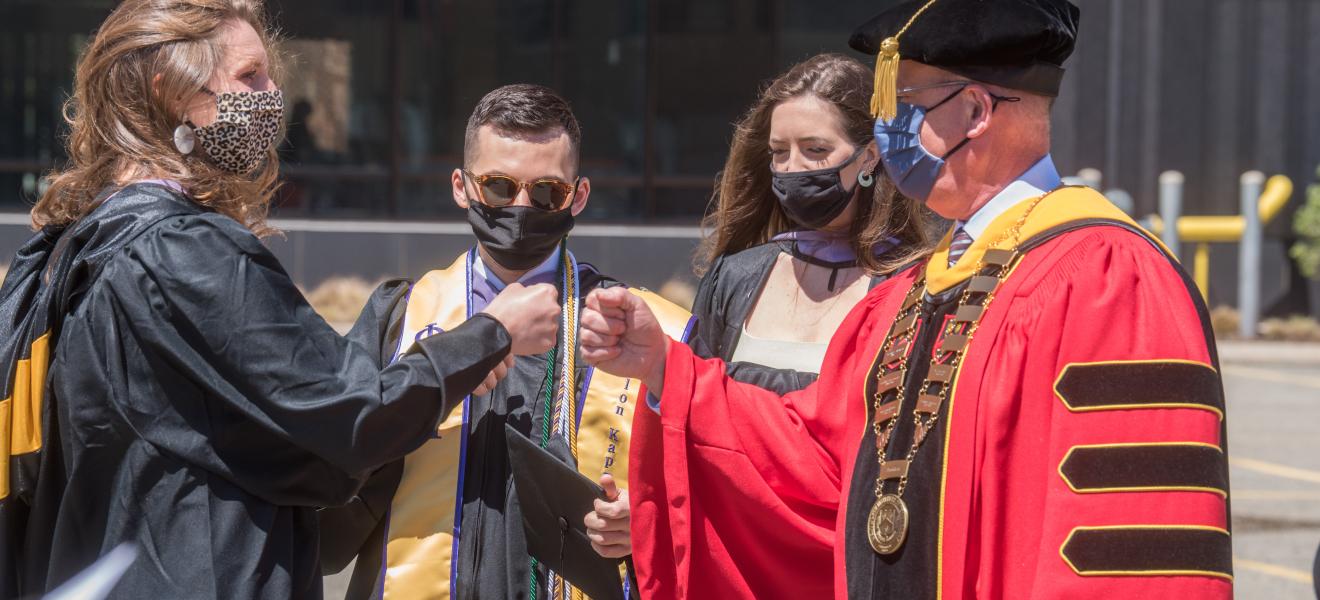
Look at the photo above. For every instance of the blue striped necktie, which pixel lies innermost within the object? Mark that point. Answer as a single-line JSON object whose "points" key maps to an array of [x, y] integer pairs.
{"points": [[961, 242]]}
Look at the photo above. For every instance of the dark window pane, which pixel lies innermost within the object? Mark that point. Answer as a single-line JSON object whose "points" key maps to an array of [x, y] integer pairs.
{"points": [[39, 45], [590, 51], [379, 92], [337, 89]]}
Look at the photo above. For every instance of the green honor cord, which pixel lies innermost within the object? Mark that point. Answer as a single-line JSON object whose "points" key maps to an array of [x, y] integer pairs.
{"points": [[548, 401]]}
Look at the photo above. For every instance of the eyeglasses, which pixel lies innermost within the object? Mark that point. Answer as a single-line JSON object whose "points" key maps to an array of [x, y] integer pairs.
{"points": [[963, 84], [909, 91], [500, 190]]}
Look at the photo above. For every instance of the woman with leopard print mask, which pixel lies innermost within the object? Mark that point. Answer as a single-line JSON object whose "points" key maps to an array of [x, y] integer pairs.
{"points": [[166, 386]]}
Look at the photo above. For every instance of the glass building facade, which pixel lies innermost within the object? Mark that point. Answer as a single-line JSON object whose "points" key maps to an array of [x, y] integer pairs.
{"points": [[379, 91]]}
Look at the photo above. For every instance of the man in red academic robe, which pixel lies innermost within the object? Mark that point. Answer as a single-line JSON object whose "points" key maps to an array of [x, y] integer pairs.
{"points": [[1035, 411]]}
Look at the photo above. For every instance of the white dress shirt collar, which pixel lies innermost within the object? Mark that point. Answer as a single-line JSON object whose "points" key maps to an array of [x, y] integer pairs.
{"points": [[546, 268]]}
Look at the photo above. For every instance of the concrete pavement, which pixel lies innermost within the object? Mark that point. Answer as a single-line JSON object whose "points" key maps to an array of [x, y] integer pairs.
{"points": [[1274, 460]]}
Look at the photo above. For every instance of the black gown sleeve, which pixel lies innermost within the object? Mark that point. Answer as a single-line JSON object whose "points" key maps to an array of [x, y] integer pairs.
{"points": [[269, 396], [345, 530], [357, 528], [716, 306]]}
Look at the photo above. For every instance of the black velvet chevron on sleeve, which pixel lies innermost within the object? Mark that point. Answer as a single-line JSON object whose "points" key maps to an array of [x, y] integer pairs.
{"points": [[1145, 467], [1139, 384], [1149, 551]]}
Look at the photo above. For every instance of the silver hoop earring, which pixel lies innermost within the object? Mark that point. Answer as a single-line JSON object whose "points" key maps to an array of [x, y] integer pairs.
{"points": [[865, 179], [184, 139]]}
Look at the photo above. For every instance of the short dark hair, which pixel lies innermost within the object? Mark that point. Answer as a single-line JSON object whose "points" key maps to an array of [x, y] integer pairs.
{"points": [[521, 109]]}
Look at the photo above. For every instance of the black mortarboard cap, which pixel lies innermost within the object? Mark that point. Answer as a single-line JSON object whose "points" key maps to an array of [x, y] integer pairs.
{"points": [[554, 497], [1018, 44]]}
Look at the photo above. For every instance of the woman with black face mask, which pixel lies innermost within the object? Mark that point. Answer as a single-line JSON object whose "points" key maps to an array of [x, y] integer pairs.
{"points": [[804, 223]]}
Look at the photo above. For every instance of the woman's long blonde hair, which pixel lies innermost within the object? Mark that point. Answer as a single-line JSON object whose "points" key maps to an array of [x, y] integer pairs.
{"points": [[744, 212], [122, 117]]}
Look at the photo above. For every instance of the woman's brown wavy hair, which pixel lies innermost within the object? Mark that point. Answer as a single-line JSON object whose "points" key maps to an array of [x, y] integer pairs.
{"points": [[744, 212], [122, 118]]}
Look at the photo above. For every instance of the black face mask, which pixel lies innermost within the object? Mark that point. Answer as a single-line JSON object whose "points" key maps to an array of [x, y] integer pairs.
{"points": [[518, 237], [813, 198]]}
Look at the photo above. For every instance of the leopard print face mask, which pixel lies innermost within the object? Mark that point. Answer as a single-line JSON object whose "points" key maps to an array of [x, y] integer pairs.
{"points": [[246, 125]]}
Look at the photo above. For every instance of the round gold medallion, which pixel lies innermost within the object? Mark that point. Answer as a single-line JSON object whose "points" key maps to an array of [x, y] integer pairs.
{"points": [[886, 528]]}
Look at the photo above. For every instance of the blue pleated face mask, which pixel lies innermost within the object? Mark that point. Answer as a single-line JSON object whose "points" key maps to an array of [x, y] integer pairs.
{"points": [[913, 168]]}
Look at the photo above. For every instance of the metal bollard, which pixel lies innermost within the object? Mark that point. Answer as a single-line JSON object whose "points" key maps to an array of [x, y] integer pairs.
{"points": [[1171, 197], [1121, 199], [1249, 255], [1090, 177]]}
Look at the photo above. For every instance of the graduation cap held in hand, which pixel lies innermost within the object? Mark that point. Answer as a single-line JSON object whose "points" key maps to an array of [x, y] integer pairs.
{"points": [[554, 498]]}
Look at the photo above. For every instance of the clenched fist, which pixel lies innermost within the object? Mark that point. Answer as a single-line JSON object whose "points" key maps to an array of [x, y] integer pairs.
{"points": [[621, 335], [530, 314]]}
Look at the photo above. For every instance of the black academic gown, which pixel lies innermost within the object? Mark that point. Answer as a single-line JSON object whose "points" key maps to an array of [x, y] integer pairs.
{"points": [[200, 410], [725, 298], [492, 554]]}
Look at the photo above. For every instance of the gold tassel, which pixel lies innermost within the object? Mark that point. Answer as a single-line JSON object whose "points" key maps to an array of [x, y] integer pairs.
{"points": [[884, 98]]}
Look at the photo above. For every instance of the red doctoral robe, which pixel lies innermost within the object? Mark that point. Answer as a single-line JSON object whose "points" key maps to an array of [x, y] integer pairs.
{"points": [[1080, 452]]}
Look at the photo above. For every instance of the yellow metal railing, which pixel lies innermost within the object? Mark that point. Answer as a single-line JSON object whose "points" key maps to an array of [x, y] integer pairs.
{"points": [[1205, 230]]}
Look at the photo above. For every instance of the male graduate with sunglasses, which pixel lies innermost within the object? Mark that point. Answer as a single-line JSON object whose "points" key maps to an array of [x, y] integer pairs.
{"points": [[1034, 412], [445, 521]]}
